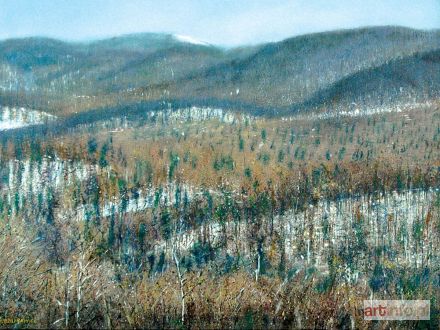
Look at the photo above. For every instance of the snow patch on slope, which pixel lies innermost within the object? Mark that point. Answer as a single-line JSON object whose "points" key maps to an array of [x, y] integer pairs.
{"points": [[190, 40], [11, 118], [362, 112]]}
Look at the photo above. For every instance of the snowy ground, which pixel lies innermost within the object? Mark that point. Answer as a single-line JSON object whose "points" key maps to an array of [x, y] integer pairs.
{"points": [[361, 112], [11, 117], [382, 220]]}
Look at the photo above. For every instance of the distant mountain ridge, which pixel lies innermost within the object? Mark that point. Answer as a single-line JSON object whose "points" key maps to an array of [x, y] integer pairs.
{"points": [[292, 71], [310, 71], [412, 79]]}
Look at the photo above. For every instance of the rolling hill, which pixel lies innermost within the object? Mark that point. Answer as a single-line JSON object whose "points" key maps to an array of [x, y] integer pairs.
{"points": [[410, 80], [292, 71], [117, 63], [371, 65]]}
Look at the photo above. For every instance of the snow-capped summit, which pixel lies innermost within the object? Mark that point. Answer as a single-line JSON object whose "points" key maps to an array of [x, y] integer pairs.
{"points": [[190, 40]]}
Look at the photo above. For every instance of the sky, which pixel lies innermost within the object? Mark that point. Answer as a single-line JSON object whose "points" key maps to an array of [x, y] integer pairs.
{"points": [[222, 22]]}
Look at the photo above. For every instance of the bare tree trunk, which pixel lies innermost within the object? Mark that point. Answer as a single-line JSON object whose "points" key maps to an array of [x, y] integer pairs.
{"points": [[67, 302], [257, 271], [78, 296], [176, 244], [181, 284]]}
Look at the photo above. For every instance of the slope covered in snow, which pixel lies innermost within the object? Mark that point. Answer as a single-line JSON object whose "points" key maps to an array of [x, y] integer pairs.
{"points": [[11, 118]]}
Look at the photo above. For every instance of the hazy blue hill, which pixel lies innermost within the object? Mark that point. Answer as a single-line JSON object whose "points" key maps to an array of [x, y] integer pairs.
{"points": [[162, 65], [106, 65], [139, 42], [28, 53], [299, 71], [291, 71], [405, 80]]}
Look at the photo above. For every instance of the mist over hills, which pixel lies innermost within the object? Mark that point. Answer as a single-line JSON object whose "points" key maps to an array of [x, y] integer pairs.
{"points": [[368, 66]]}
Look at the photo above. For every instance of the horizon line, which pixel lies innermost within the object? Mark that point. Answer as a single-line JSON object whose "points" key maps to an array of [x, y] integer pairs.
{"points": [[207, 43]]}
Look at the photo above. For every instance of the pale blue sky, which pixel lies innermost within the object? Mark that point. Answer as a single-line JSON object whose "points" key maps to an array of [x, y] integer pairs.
{"points": [[225, 22]]}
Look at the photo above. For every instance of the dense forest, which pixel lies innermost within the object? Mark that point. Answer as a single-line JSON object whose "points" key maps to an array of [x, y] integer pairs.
{"points": [[246, 190]]}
